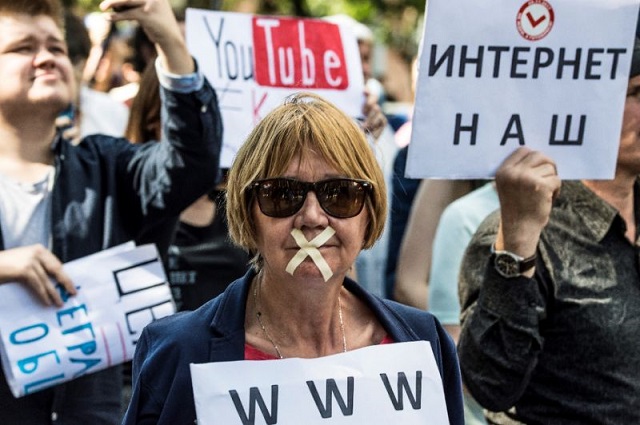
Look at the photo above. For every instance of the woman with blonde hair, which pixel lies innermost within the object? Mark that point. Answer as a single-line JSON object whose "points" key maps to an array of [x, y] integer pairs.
{"points": [[305, 195]]}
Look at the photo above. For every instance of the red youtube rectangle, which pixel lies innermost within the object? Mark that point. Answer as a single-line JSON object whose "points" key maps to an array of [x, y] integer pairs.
{"points": [[299, 53]]}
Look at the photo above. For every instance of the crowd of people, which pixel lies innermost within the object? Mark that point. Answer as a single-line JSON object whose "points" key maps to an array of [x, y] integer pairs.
{"points": [[312, 243]]}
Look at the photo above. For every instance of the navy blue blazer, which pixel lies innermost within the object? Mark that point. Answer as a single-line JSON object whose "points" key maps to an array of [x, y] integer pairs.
{"points": [[162, 391]]}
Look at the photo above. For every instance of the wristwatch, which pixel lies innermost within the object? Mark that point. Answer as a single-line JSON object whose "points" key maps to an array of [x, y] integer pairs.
{"points": [[510, 265]]}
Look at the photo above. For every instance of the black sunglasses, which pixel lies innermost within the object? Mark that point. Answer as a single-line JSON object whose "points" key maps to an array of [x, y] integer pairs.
{"points": [[283, 197]]}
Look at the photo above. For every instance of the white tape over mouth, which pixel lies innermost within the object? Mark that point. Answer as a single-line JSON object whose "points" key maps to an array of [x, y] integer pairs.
{"points": [[310, 249]]}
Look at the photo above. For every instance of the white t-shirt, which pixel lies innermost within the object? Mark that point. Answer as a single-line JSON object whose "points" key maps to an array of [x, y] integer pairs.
{"points": [[25, 211], [101, 114]]}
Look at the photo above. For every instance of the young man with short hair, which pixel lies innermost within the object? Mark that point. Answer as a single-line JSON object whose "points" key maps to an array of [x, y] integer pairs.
{"points": [[59, 202]]}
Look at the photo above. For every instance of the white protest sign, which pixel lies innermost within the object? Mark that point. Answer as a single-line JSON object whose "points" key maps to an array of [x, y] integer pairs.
{"points": [[254, 62], [377, 385], [119, 292], [547, 74]]}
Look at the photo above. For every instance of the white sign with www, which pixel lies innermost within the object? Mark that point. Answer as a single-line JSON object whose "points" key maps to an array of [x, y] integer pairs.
{"points": [[378, 385]]}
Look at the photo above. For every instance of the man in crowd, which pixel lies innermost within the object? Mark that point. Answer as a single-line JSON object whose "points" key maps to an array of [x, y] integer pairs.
{"points": [[59, 202], [550, 291]]}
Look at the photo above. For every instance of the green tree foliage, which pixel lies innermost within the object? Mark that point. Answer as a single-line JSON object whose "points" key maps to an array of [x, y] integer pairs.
{"points": [[396, 23]]}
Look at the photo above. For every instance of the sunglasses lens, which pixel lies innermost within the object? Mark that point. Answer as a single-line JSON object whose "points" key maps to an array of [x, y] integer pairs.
{"points": [[279, 197], [342, 198]]}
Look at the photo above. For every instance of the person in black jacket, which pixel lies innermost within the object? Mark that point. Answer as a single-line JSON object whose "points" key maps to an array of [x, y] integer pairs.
{"points": [[59, 202], [201, 259]]}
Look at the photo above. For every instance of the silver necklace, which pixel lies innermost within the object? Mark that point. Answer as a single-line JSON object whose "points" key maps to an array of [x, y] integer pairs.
{"points": [[271, 340]]}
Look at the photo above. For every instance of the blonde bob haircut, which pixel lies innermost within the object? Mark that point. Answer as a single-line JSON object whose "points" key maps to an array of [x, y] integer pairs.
{"points": [[305, 123]]}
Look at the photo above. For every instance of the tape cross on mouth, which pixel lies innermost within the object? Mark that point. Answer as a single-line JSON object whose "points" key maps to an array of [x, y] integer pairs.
{"points": [[310, 249]]}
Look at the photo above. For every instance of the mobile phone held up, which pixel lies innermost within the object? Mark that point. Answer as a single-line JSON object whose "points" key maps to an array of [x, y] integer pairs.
{"points": [[123, 8]]}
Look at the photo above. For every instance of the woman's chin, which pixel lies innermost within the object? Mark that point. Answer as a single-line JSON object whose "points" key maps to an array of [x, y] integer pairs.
{"points": [[310, 271]]}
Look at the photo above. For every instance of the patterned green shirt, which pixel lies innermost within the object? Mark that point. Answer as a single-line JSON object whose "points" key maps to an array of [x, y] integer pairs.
{"points": [[564, 346]]}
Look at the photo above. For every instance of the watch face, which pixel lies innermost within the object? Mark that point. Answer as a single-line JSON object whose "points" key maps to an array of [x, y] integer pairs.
{"points": [[507, 265]]}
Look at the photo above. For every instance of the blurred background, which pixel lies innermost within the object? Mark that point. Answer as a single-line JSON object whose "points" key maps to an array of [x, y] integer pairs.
{"points": [[396, 26]]}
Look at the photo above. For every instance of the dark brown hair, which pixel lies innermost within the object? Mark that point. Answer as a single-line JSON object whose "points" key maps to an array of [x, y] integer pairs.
{"points": [[77, 38], [144, 119], [50, 8]]}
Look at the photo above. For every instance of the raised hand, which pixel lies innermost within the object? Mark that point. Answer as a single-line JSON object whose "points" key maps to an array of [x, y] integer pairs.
{"points": [[159, 23], [374, 119], [527, 182]]}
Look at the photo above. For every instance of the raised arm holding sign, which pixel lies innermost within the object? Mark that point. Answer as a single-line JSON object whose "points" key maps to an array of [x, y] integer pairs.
{"points": [[549, 290]]}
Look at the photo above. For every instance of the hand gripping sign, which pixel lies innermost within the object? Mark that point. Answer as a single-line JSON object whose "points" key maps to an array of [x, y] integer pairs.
{"points": [[310, 249], [120, 290]]}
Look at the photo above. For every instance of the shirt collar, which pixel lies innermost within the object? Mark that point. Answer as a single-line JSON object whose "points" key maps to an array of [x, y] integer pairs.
{"points": [[597, 215]]}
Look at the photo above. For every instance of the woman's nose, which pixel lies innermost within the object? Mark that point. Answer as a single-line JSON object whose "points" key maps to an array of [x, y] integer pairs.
{"points": [[312, 213]]}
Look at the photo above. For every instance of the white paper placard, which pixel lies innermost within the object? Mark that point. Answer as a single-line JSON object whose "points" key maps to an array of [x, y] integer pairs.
{"points": [[547, 74], [377, 385], [120, 291], [254, 62]]}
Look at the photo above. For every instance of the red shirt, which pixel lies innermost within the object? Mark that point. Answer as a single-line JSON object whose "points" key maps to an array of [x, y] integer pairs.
{"points": [[252, 353]]}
